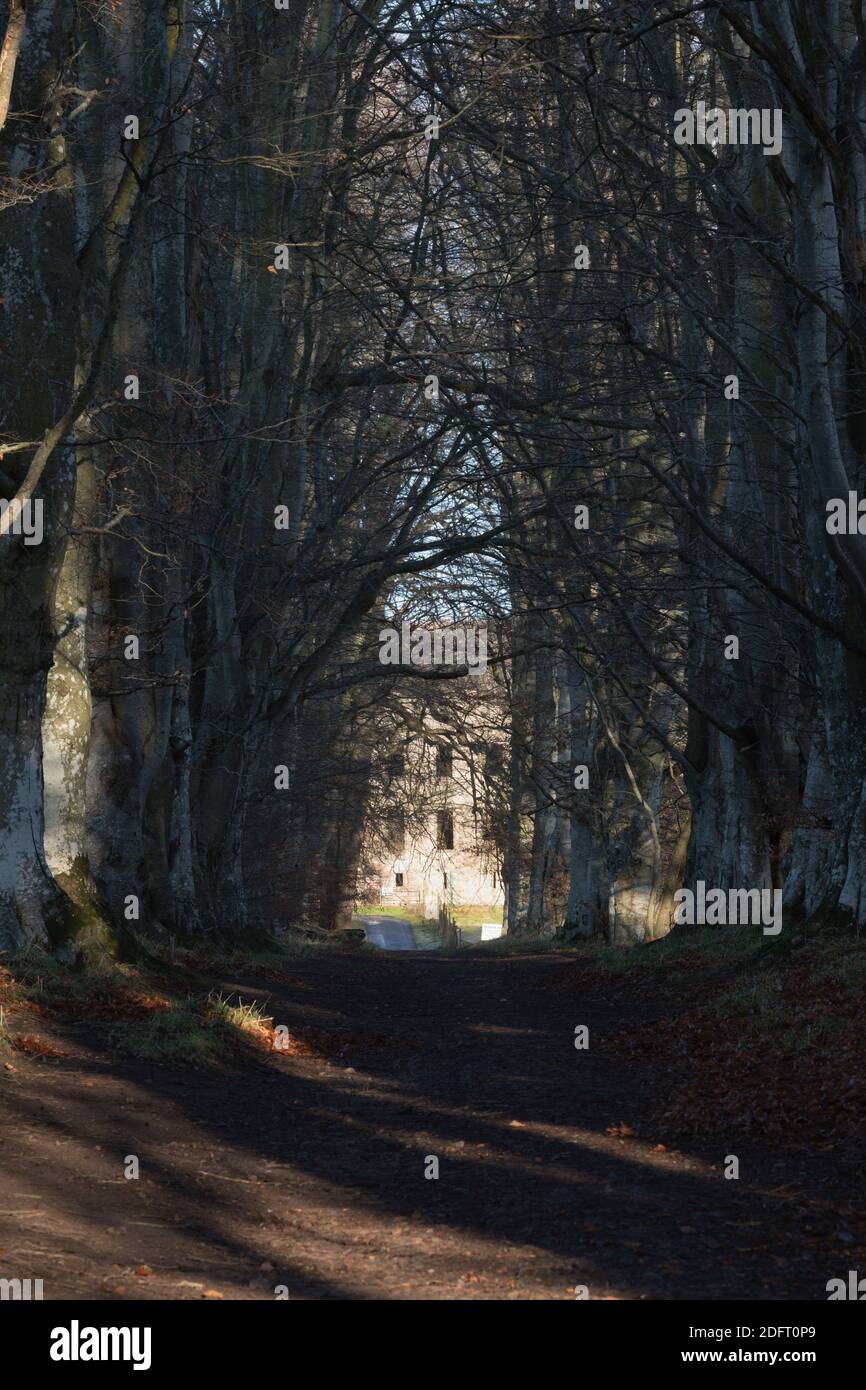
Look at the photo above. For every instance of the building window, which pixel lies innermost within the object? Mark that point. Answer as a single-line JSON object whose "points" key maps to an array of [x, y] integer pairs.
{"points": [[444, 880], [444, 830], [493, 759], [398, 879], [444, 760]]}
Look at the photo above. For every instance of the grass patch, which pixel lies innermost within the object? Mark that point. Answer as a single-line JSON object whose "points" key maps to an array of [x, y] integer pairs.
{"points": [[199, 1032], [105, 990], [427, 935], [472, 917], [267, 960], [406, 914], [691, 948]]}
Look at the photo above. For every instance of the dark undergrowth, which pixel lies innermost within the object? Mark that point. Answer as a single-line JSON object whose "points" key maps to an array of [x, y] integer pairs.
{"points": [[757, 1040]]}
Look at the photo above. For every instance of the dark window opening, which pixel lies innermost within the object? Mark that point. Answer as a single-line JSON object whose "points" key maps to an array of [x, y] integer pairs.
{"points": [[444, 830], [399, 880], [444, 761], [493, 759]]}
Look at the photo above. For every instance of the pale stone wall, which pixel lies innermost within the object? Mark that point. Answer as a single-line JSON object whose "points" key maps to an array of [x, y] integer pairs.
{"points": [[464, 875]]}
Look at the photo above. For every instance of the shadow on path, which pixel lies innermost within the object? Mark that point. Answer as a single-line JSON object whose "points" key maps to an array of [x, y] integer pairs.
{"points": [[310, 1171]]}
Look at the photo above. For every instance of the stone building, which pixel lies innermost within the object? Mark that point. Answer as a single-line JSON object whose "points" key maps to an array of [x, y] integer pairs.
{"points": [[440, 851]]}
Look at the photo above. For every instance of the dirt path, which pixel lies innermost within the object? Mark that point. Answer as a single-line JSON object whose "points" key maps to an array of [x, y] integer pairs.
{"points": [[309, 1172]]}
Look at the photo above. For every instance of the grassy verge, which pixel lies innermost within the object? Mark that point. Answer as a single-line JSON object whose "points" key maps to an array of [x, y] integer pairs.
{"points": [[164, 1010], [753, 1041], [406, 914], [680, 951]]}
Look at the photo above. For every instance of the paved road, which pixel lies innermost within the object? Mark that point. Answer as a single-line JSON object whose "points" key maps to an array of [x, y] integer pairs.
{"points": [[391, 933]]}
